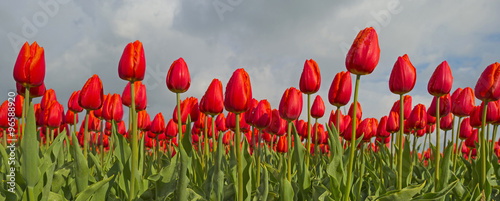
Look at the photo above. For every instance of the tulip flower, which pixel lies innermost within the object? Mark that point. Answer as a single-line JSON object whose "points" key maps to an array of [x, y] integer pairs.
{"points": [[382, 128], [98, 112], [261, 115], [364, 54], [291, 104], [367, 128], [19, 102], [231, 122], [446, 123], [488, 85], [278, 125], [444, 106], [71, 118], [220, 121], [73, 102], [158, 124], [29, 70], [337, 120], [475, 117], [52, 114], [113, 110], [143, 121], [407, 106], [248, 113], [471, 141], [492, 112], [340, 90], [48, 97], [178, 78], [4, 118], [318, 108], [238, 97], [140, 96], [464, 103], [310, 79], [171, 129], [359, 112], [418, 118], [465, 129], [441, 80], [92, 95], [403, 76], [189, 106], [393, 122], [213, 100], [282, 146], [132, 66], [38, 114]]}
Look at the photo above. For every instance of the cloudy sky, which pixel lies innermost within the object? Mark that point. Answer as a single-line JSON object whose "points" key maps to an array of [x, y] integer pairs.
{"points": [[270, 39]]}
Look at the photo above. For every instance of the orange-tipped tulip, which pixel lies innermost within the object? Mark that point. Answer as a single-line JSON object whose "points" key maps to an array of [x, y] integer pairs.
{"points": [[4, 118], [488, 85], [73, 102], [140, 96], [29, 70], [92, 94], [310, 79], [441, 80], [70, 117], [238, 97], [189, 106], [158, 124], [403, 76], [178, 78], [132, 64], [318, 108], [18, 102], [282, 146], [364, 54], [368, 128], [291, 104], [49, 96], [113, 110], [340, 90], [392, 122], [418, 118], [212, 102], [52, 114]]}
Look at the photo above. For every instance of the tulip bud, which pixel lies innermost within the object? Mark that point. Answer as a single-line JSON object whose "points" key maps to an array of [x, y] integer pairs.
{"points": [[476, 117], [52, 115], [49, 96], [392, 122], [189, 106], [291, 104], [248, 113], [407, 105], [472, 139], [403, 76], [178, 78], [19, 102], [238, 97], [418, 118], [73, 102], [35, 92], [492, 112], [213, 100], [441, 80], [364, 54], [446, 122], [340, 90], [4, 117], [464, 103], [92, 94], [310, 79], [382, 128], [333, 121], [261, 115], [444, 106], [487, 86], [278, 125], [318, 108], [282, 146], [132, 64], [29, 70], [70, 117], [172, 129], [140, 96], [113, 109], [359, 112], [158, 124], [367, 128], [143, 120], [220, 122]]}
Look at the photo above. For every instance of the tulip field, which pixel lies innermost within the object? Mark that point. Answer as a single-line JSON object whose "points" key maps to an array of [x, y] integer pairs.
{"points": [[226, 145]]}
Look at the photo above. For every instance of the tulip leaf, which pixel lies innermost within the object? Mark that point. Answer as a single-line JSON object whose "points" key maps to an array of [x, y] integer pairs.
{"points": [[185, 153], [302, 171], [29, 147], [400, 195], [81, 168], [90, 191], [437, 195]]}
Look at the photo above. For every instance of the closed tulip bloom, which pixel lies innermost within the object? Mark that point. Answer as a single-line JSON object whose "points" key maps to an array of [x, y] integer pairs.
{"points": [[121, 128], [113, 110], [348, 131], [49, 96], [488, 85], [220, 122], [92, 94], [441, 80], [4, 117], [291, 104], [140, 96], [282, 146], [18, 102], [278, 125], [213, 100], [310, 79], [382, 128], [178, 78], [403, 76], [359, 112], [29, 70], [158, 124], [421, 132], [262, 115], [318, 108], [333, 121], [430, 119], [472, 139], [368, 128], [430, 128], [98, 112], [227, 138], [38, 114], [321, 134], [407, 107], [476, 117], [446, 122], [238, 96], [392, 122], [143, 120], [249, 112], [172, 129], [464, 103], [444, 106], [301, 126], [52, 115], [73, 102], [455, 94], [231, 122], [492, 112], [35, 92], [70, 117], [364, 54], [418, 118], [340, 90], [132, 64], [189, 106], [465, 129]]}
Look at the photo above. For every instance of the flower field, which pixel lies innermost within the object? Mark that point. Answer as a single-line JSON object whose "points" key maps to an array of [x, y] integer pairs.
{"points": [[226, 145]]}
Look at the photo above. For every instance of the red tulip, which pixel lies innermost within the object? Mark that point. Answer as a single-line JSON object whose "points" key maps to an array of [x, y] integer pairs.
{"points": [[4, 115], [213, 100], [348, 131], [172, 129], [488, 85], [261, 115], [464, 103], [282, 146], [407, 101], [29, 70], [392, 122], [238, 97], [132, 64], [476, 117], [52, 114], [382, 128], [220, 122], [98, 112], [441, 80], [444, 106], [70, 117], [301, 127], [318, 108], [113, 110], [333, 121], [18, 102], [465, 129], [49, 96], [368, 128], [231, 122], [189, 106], [340, 90], [446, 122], [143, 120], [158, 124], [38, 114], [291, 104], [121, 128], [421, 132], [227, 138], [178, 78], [359, 112], [140, 96], [403, 76], [472, 139], [92, 94], [278, 125], [310, 79], [418, 118], [430, 119], [248, 113], [73, 102], [35, 92], [321, 134], [364, 54]]}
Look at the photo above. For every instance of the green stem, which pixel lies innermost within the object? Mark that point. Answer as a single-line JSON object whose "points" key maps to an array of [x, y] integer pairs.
{"points": [[487, 142], [361, 171], [258, 160], [205, 133], [27, 102], [133, 140], [101, 147], [353, 142], [392, 151], [456, 151], [308, 130], [31, 194], [482, 175], [316, 147], [437, 155], [493, 141], [400, 145], [214, 142], [238, 158], [85, 135], [425, 143], [414, 153], [338, 129], [289, 153]]}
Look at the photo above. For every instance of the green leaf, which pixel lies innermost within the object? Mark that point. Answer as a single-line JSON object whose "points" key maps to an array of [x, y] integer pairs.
{"points": [[82, 170], [400, 195], [302, 171], [29, 147], [185, 153], [437, 195], [90, 191]]}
